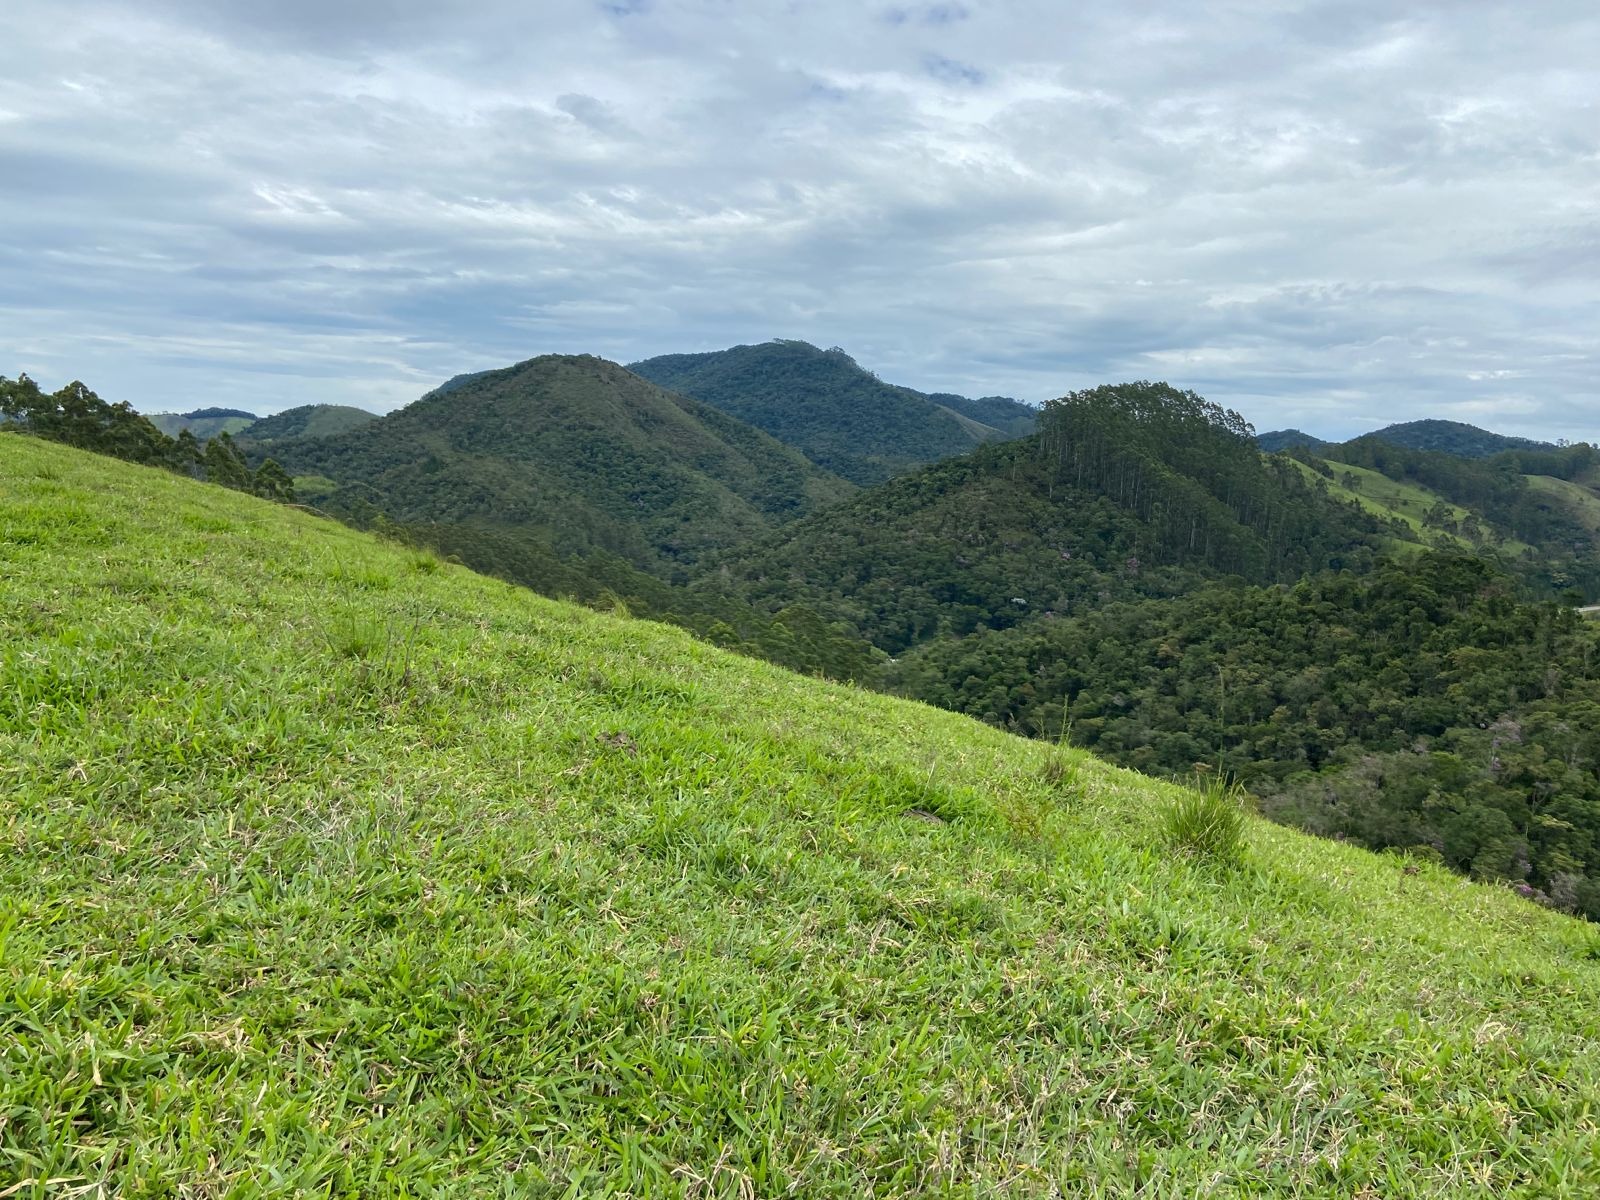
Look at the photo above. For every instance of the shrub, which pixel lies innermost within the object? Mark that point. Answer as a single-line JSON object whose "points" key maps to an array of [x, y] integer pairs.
{"points": [[1207, 820]]}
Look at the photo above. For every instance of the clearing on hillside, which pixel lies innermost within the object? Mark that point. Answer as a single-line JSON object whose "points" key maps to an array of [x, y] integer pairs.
{"points": [[328, 868]]}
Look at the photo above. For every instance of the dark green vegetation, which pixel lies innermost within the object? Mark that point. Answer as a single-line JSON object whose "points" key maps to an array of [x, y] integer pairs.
{"points": [[1284, 439], [1454, 437], [1131, 491], [1420, 707], [329, 868], [840, 416], [1442, 437], [573, 456], [75, 416], [309, 420]]}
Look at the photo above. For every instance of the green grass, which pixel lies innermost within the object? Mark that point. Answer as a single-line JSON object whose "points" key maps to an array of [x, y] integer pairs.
{"points": [[1407, 502], [311, 488], [1583, 502], [1207, 821], [328, 868]]}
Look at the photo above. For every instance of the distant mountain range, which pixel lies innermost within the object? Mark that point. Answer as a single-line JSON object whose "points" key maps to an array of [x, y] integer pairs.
{"points": [[1446, 437], [839, 415]]}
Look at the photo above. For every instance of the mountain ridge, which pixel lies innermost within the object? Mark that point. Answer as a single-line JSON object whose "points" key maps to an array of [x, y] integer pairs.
{"points": [[841, 416], [1447, 437]]}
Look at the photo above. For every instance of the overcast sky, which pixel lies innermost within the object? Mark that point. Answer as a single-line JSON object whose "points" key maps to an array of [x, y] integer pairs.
{"points": [[1330, 215]]}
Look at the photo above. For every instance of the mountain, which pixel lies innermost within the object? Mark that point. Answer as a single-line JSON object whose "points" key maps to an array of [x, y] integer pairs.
{"points": [[458, 381], [203, 423], [1454, 437], [1133, 490], [309, 420], [574, 451], [842, 417], [1283, 439], [1011, 417], [336, 868], [1443, 437]]}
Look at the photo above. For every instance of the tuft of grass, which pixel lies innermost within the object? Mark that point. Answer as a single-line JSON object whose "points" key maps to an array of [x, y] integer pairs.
{"points": [[1207, 820]]}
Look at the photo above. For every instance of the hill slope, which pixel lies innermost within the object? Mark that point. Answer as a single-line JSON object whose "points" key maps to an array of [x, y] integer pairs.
{"points": [[1282, 439], [203, 423], [1134, 490], [1454, 437], [309, 420], [330, 867], [575, 451], [840, 416]]}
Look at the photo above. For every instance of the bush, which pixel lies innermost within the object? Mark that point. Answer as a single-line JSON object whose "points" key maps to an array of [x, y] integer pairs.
{"points": [[1207, 821]]}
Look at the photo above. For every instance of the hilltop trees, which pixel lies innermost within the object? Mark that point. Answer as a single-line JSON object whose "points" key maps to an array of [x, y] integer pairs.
{"points": [[78, 417]]}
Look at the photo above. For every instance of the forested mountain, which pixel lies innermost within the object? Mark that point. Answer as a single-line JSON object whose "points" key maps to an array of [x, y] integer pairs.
{"points": [[1127, 491], [1454, 437], [1010, 417], [1284, 439], [308, 420], [1444, 437], [839, 415], [576, 452]]}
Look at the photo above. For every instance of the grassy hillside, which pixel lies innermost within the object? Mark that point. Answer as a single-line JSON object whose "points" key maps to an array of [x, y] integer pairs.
{"points": [[1583, 501], [331, 868], [1393, 500], [842, 417], [203, 427]]}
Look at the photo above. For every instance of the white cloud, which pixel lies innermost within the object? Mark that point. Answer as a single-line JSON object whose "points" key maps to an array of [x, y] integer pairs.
{"points": [[1317, 214]]}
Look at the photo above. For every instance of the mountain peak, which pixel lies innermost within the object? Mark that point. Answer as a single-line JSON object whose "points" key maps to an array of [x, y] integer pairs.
{"points": [[836, 412]]}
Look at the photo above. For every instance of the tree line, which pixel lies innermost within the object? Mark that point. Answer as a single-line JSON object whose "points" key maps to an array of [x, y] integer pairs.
{"points": [[77, 417]]}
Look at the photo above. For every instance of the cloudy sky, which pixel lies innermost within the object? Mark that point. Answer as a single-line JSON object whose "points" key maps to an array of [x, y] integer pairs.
{"points": [[1331, 215]]}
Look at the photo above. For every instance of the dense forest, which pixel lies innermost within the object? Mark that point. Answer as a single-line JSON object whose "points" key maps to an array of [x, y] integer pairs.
{"points": [[840, 416], [1419, 705], [1453, 437], [1132, 491], [1444, 437]]}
